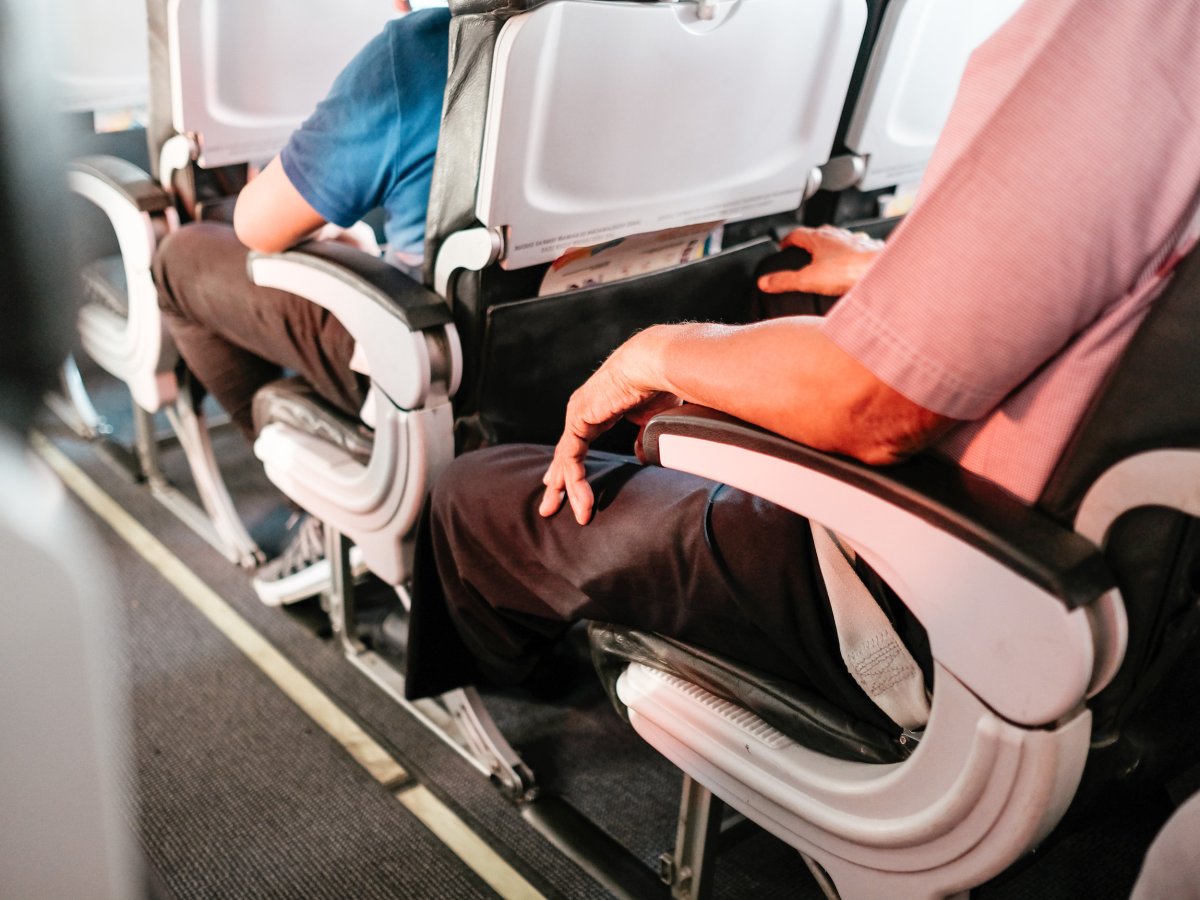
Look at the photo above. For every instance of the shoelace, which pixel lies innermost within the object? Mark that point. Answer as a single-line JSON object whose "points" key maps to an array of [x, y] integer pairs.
{"points": [[306, 547]]}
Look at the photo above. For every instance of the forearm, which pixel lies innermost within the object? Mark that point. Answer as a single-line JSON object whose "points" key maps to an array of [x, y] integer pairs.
{"points": [[786, 376], [783, 375]]}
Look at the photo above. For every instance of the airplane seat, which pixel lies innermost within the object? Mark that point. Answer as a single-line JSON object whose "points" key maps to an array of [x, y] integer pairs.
{"points": [[904, 83], [99, 57], [546, 145], [227, 86], [1056, 631], [98, 67]]}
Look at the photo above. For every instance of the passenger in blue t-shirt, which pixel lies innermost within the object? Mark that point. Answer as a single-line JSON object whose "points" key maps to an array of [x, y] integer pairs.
{"points": [[370, 143]]}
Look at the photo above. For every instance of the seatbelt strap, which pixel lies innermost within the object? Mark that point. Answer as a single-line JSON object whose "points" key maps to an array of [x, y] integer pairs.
{"points": [[871, 648]]}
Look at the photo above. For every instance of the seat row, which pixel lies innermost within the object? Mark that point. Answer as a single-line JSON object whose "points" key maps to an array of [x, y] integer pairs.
{"points": [[546, 145]]}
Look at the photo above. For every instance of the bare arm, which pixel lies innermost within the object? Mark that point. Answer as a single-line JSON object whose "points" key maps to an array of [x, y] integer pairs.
{"points": [[783, 375], [271, 215]]}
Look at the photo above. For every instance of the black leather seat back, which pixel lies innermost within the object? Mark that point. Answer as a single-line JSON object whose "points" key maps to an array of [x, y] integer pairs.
{"points": [[1150, 400], [524, 354]]}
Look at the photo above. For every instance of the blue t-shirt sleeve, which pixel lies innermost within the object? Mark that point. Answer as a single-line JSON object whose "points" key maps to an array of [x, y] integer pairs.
{"points": [[340, 159]]}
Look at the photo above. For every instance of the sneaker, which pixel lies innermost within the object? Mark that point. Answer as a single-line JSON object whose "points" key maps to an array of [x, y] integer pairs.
{"points": [[301, 570]]}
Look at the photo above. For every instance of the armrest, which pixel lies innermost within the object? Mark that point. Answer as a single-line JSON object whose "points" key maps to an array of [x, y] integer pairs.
{"points": [[131, 200], [138, 188], [405, 330], [977, 512], [1004, 592]]}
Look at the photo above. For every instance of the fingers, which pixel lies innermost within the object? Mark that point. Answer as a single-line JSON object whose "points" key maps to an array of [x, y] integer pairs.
{"points": [[577, 492], [594, 407], [567, 478], [579, 495], [804, 238], [800, 280], [817, 240], [830, 239], [553, 497]]}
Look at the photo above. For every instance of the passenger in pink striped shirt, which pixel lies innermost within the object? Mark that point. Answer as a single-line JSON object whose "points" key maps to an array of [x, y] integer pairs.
{"points": [[1066, 177]]}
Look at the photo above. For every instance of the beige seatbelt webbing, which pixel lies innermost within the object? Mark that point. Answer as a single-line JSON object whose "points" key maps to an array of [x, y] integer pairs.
{"points": [[871, 649]]}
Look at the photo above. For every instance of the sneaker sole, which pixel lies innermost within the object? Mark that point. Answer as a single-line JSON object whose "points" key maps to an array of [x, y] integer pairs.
{"points": [[309, 582]]}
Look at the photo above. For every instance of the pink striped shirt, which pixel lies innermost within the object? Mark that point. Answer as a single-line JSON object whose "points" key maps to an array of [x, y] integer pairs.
{"points": [[1065, 176]]}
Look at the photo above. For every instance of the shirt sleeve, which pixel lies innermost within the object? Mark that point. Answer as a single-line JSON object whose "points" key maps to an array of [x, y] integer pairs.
{"points": [[341, 159], [1044, 209]]}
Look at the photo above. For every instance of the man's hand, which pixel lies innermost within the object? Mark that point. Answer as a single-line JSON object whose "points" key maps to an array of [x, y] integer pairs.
{"points": [[839, 259], [625, 386]]}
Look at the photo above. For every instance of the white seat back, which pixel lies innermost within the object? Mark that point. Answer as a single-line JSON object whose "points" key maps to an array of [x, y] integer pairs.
{"points": [[100, 55], [63, 831], [244, 75], [911, 81], [612, 118]]}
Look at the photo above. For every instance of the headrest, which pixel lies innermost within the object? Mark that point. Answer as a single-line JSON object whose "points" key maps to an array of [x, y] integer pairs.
{"points": [[100, 59]]}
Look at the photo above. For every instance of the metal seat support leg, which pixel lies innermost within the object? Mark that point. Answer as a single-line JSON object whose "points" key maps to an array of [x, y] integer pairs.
{"points": [[458, 717]]}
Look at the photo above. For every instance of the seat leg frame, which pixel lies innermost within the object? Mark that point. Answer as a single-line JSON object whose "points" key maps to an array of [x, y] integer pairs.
{"points": [[73, 405], [459, 717], [688, 870]]}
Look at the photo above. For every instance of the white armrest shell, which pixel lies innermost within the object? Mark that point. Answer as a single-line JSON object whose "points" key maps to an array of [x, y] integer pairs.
{"points": [[1010, 625], [405, 355], [136, 349]]}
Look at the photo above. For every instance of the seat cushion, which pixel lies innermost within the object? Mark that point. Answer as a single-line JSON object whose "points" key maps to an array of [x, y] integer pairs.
{"points": [[798, 712], [104, 283], [292, 401]]}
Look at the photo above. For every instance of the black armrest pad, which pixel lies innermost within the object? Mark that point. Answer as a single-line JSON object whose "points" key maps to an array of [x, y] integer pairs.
{"points": [[143, 192], [973, 509], [414, 304]]}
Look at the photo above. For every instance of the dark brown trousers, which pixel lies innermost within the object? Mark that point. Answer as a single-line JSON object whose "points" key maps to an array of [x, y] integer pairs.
{"points": [[235, 336]]}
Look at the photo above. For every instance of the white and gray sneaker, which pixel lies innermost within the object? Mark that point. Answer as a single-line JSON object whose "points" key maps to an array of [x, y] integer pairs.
{"points": [[301, 570]]}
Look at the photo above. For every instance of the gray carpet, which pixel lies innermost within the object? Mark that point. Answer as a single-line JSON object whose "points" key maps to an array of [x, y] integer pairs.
{"points": [[240, 794]]}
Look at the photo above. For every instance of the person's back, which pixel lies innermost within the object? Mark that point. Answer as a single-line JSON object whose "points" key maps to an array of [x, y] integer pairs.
{"points": [[371, 142], [1015, 283]]}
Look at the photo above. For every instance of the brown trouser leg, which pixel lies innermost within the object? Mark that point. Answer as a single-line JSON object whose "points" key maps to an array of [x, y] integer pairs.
{"points": [[235, 336]]}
